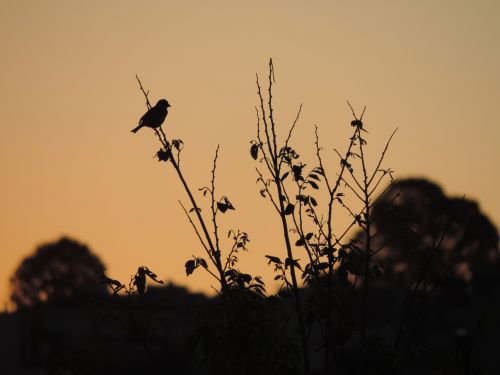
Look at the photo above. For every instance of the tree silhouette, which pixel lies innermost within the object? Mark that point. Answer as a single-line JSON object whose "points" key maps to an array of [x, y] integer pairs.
{"points": [[57, 272], [421, 234]]}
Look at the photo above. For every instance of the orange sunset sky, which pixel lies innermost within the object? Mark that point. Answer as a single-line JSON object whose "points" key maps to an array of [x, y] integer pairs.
{"points": [[68, 100]]}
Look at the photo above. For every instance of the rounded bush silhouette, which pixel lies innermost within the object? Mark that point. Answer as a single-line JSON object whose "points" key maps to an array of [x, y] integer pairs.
{"points": [[64, 271], [422, 233]]}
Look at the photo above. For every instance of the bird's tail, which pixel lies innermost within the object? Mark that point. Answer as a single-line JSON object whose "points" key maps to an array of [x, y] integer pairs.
{"points": [[136, 129]]}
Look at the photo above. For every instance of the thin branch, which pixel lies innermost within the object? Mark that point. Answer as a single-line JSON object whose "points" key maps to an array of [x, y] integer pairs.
{"points": [[233, 249], [362, 113], [382, 156], [208, 270], [196, 231], [213, 201], [344, 164], [320, 159], [352, 110], [271, 115], [352, 189], [266, 126], [261, 178], [293, 125], [148, 104], [384, 173], [275, 171], [291, 130], [261, 145]]}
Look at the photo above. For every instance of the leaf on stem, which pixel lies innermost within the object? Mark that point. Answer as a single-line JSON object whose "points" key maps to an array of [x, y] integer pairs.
{"points": [[254, 151], [140, 280], [190, 267], [300, 242], [319, 171], [313, 184], [151, 275], [289, 209], [204, 190], [273, 259], [258, 280]]}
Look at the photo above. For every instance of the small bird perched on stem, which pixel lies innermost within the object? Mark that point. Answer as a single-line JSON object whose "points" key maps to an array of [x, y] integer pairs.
{"points": [[154, 117]]}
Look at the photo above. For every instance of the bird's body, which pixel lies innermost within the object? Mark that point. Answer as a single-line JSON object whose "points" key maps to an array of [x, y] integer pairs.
{"points": [[154, 117]]}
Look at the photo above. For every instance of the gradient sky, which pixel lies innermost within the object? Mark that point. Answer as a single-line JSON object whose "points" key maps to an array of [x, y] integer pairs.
{"points": [[69, 164]]}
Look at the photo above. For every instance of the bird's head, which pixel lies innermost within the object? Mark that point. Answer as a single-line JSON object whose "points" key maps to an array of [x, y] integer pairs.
{"points": [[162, 103]]}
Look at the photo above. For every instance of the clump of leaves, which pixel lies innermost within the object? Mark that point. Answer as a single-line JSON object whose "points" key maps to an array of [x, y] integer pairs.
{"points": [[137, 283], [194, 263], [140, 278]]}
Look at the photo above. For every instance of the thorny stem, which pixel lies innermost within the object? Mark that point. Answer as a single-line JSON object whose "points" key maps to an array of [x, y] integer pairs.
{"points": [[367, 225], [213, 249], [366, 228], [266, 128], [213, 201], [274, 169], [261, 144], [382, 156], [271, 117], [293, 125], [332, 191], [367, 221], [148, 104], [231, 252], [295, 287], [166, 144], [266, 189], [363, 220]]}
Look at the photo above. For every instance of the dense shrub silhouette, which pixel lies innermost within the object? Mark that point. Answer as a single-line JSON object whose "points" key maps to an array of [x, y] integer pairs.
{"points": [[64, 271], [249, 335], [424, 233]]}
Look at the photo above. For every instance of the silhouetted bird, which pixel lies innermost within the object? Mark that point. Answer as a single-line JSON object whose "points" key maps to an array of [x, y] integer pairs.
{"points": [[154, 117]]}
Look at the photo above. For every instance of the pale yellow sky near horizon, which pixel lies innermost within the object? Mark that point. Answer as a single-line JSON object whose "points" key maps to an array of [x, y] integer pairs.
{"points": [[70, 166]]}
